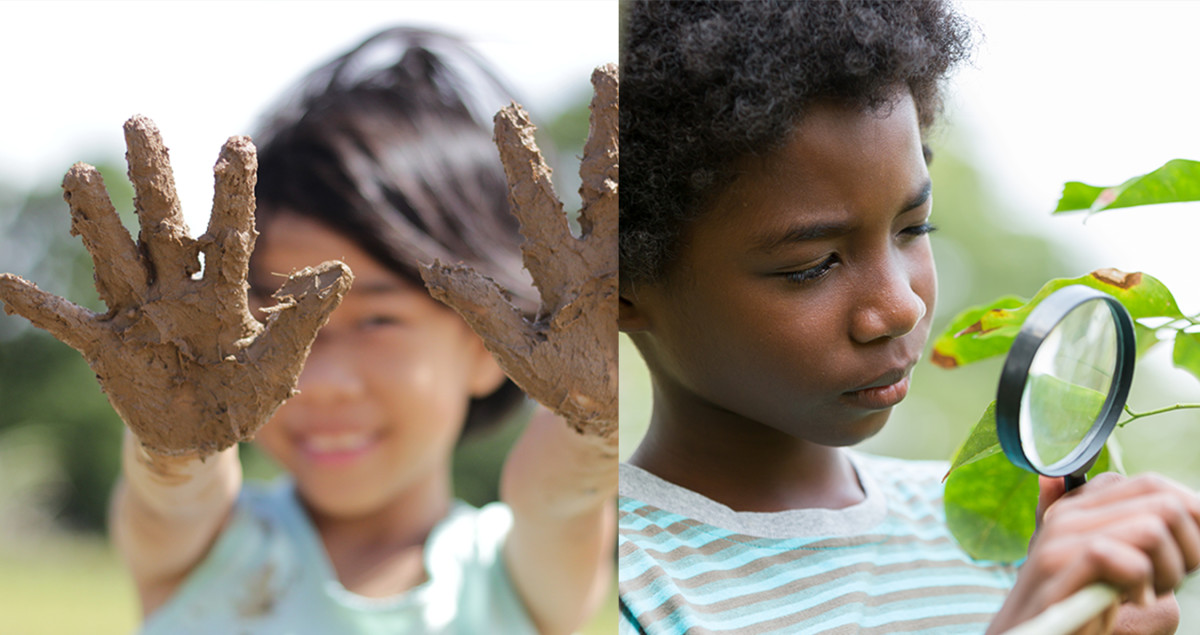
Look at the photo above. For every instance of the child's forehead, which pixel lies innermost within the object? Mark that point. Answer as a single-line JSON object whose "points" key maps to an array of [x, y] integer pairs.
{"points": [[836, 158]]}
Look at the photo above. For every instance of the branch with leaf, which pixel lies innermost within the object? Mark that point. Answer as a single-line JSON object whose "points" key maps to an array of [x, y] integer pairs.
{"points": [[989, 502]]}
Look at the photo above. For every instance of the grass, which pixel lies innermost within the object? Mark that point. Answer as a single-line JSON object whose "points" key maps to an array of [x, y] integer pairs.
{"points": [[58, 585]]}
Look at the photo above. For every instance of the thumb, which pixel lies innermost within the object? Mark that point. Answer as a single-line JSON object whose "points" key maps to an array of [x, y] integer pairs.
{"points": [[305, 302], [70, 323], [484, 306], [1050, 489]]}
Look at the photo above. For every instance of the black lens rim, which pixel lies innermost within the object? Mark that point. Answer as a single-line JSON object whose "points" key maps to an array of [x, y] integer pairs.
{"points": [[1044, 317]]}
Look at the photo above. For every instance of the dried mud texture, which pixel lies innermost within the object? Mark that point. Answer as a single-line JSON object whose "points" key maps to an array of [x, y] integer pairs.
{"points": [[567, 357], [180, 357]]}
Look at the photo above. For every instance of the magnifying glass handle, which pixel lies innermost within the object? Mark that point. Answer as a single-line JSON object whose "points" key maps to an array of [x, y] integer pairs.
{"points": [[1067, 616], [1071, 481]]}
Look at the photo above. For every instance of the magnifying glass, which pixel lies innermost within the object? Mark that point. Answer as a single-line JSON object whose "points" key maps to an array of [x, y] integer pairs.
{"points": [[1065, 382], [1062, 389]]}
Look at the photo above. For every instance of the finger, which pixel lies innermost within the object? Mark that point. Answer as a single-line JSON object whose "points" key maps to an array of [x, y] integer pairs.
{"points": [[163, 230], [70, 323], [548, 240], [306, 300], [1115, 562], [598, 171], [1163, 531], [1161, 616], [1108, 489], [1049, 491], [120, 275], [487, 310], [231, 234]]}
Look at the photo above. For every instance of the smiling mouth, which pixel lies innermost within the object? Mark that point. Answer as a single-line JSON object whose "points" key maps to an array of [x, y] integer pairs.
{"points": [[336, 448]]}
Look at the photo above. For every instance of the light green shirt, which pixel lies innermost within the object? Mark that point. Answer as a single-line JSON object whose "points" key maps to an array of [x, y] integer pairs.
{"points": [[268, 573]]}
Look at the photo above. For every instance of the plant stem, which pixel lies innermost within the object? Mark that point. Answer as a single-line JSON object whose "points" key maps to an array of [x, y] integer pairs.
{"points": [[1134, 416]]}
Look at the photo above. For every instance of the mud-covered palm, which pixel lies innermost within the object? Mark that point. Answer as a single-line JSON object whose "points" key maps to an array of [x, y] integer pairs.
{"points": [[567, 357], [178, 354]]}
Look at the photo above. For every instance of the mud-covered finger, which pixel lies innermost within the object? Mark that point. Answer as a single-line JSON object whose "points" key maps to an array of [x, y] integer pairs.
{"points": [[598, 171], [231, 234], [482, 303], [120, 274], [163, 230], [70, 323], [551, 254], [305, 302]]}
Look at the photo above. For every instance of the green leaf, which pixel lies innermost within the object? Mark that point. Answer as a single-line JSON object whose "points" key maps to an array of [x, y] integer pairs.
{"points": [[958, 346], [1066, 412], [1177, 181], [986, 331], [1146, 338], [981, 443], [991, 506], [1077, 196], [1187, 352]]}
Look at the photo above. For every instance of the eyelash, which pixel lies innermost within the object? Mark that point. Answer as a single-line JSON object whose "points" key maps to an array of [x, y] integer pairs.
{"points": [[813, 273], [919, 230]]}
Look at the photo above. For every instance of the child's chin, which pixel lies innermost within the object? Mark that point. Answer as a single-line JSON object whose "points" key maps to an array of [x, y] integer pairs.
{"points": [[851, 432]]}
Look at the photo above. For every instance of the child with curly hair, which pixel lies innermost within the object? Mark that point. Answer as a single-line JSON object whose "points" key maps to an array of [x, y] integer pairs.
{"points": [[777, 278]]}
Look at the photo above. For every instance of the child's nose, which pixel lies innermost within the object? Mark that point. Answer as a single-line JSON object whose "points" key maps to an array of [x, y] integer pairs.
{"points": [[888, 307], [329, 375]]}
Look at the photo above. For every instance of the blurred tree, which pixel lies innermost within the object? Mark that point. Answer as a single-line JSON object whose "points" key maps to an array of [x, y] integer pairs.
{"points": [[46, 389]]}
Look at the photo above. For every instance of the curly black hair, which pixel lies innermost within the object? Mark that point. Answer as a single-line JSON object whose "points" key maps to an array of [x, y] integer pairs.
{"points": [[705, 83]]}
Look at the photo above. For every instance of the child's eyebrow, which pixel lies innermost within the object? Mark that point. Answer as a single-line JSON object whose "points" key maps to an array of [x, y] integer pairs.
{"points": [[818, 231], [919, 199]]}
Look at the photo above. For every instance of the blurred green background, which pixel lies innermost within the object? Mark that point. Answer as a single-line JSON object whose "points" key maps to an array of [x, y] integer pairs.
{"points": [[60, 439]]}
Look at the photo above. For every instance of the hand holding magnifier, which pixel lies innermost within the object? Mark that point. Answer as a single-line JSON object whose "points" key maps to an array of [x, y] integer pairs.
{"points": [[1062, 389]]}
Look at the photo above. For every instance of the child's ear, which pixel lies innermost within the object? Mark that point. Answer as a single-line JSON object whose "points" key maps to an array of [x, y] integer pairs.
{"points": [[486, 375], [629, 318]]}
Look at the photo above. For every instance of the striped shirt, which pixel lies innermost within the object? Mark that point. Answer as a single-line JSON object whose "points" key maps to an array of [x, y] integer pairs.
{"points": [[886, 565]]}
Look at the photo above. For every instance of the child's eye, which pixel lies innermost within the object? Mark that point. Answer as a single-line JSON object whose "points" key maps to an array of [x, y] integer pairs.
{"points": [[377, 321], [919, 230], [812, 273]]}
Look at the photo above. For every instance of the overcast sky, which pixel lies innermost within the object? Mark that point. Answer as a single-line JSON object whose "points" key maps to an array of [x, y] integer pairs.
{"points": [[1096, 92], [73, 72]]}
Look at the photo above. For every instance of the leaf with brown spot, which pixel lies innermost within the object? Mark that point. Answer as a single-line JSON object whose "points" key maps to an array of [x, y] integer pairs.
{"points": [[986, 331]]}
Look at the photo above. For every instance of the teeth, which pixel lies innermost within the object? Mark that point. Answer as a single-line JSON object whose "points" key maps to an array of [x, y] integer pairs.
{"points": [[337, 442]]}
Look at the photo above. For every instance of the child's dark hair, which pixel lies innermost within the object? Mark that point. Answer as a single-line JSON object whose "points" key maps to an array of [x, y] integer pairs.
{"points": [[390, 145], [705, 83]]}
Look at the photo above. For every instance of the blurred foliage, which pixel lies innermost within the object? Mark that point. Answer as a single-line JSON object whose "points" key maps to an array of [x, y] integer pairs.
{"points": [[48, 396]]}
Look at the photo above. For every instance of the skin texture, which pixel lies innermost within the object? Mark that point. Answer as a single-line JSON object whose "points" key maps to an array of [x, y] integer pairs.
{"points": [[758, 369], [387, 383], [771, 380]]}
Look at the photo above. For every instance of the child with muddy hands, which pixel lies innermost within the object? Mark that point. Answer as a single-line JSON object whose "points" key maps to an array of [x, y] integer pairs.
{"points": [[374, 167], [776, 276]]}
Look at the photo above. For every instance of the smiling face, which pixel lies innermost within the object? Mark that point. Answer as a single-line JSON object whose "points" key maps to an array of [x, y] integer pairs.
{"points": [[384, 393], [803, 296]]}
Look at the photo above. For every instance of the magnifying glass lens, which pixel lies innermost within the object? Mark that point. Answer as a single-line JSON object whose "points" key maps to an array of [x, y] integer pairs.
{"points": [[1069, 379]]}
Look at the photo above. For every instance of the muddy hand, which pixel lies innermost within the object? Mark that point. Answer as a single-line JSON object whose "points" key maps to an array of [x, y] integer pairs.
{"points": [[179, 355], [567, 357]]}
